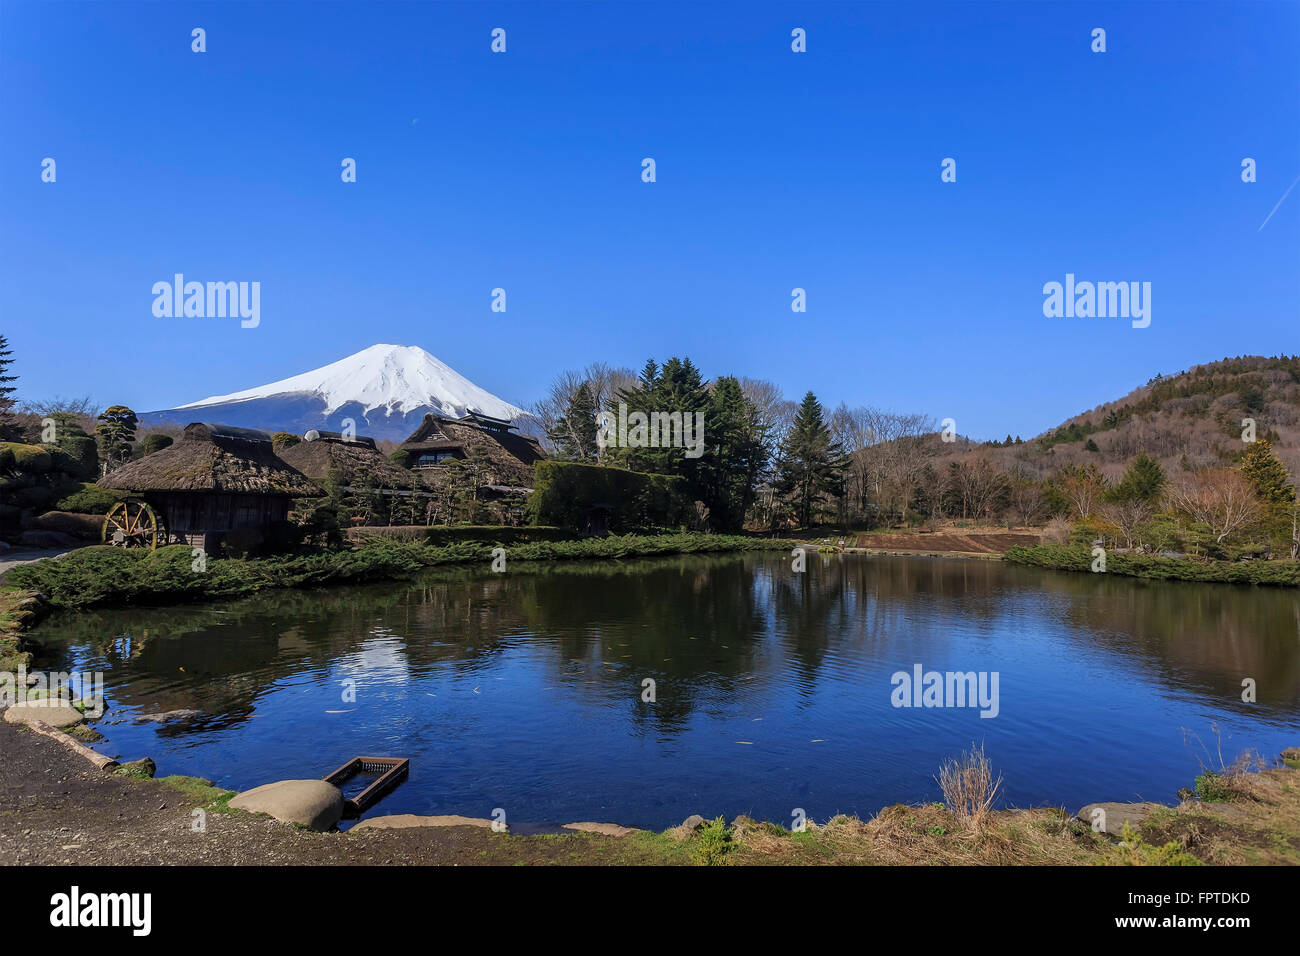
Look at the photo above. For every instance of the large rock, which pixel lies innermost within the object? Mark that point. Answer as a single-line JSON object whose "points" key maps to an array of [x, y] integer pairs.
{"points": [[47, 712], [402, 821], [686, 829], [314, 804], [1115, 815]]}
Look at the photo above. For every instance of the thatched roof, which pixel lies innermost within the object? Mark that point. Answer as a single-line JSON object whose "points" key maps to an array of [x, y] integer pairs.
{"points": [[214, 458], [359, 462], [511, 455]]}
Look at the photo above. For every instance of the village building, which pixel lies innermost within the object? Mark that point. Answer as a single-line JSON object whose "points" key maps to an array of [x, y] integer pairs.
{"points": [[355, 461], [216, 482], [503, 456]]}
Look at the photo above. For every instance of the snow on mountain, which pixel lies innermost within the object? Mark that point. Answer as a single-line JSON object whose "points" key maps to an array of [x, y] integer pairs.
{"points": [[385, 389]]}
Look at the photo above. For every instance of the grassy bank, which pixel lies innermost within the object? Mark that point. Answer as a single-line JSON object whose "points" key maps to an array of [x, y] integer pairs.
{"points": [[1079, 558], [19, 610], [105, 576]]}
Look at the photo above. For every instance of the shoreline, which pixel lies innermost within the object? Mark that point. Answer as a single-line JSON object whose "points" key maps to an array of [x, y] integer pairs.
{"points": [[1080, 559], [65, 809]]}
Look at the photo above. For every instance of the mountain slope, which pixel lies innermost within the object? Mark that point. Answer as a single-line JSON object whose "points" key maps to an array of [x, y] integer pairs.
{"points": [[385, 389], [1189, 419]]}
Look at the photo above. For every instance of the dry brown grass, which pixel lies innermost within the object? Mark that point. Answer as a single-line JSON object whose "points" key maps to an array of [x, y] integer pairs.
{"points": [[969, 787], [926, 835]]}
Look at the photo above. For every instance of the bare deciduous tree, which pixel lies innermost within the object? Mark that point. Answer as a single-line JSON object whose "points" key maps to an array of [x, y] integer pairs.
{"points": [[1218, 497]]}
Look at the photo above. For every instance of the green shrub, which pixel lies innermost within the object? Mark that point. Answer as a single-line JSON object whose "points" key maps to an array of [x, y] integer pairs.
{"points": [[1214, 787], [88, 499], [712, 844], [1153, 567], [31, 459], [438, 537], [565, 492], [84, 455], [104, 575], [1134, 851]]}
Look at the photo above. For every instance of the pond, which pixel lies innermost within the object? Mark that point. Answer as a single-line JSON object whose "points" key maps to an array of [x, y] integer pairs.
{"points": [[772, 691]]}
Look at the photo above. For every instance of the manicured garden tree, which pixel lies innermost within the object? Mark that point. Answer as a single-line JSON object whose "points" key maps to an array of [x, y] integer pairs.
{"points": [[116, 432]]}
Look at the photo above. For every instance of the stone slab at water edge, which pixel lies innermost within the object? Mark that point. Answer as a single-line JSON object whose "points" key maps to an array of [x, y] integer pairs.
{"points": [[314, 804], [32, 711]]}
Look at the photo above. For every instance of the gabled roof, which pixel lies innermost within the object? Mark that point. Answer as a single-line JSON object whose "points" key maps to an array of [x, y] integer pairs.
{"points": [[511, 454]]}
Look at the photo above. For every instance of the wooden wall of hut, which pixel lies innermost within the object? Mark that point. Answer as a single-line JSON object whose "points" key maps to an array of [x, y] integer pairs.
{"points": [[202, 518]]}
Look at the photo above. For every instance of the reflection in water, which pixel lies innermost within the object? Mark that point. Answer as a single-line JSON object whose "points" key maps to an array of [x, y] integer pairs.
{"points": [[772, 688]]}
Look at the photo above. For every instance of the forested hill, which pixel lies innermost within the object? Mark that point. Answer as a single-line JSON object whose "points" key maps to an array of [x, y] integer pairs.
{"points": [[1188, 420]]}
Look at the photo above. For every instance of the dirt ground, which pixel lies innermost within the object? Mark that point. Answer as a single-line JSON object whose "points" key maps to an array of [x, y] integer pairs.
{"points": [[56, 808]]}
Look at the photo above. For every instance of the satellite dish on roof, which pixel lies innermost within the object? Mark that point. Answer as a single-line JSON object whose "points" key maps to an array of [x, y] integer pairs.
{"points": [[311, 435]]}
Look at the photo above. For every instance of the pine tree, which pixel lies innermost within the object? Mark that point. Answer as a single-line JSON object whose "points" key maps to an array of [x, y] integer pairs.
{"points": [[812, 465], [574, 434], [1143, 481], [9, 428], [1267, 475], [116, 432], [736, 455]]}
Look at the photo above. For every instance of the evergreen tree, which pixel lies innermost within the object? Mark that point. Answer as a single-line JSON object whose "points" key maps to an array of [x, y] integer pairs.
{"points": [[1267, 475], [675, 388], [1143, 481], [812, 465], [116, 432], [736, 454], [575, 432], [9, 427]]}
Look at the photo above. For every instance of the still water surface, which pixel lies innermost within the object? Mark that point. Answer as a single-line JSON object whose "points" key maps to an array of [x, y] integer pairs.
{"points": [[773, 690]]}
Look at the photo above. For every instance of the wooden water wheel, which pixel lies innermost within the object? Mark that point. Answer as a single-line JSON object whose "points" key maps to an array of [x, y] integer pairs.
{"points": [[133, 524]]}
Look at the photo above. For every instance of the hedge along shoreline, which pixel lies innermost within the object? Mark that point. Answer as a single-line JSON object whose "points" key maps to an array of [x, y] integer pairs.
{"points": [[105, 576], [1057, 557]]}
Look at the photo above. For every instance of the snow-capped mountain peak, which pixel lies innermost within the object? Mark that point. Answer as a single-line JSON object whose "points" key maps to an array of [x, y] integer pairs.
{"points": [[396, 378], [385, 391]]}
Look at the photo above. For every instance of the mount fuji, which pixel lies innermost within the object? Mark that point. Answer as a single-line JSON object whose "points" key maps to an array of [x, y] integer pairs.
{"points": [[385, 389]]}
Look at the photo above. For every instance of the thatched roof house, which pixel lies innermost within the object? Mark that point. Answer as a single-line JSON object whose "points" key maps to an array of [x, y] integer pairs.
{"points": [[214, 481], [508, 456], [356, 460]]}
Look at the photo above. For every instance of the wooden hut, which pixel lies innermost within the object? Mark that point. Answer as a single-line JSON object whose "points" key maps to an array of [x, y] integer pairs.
{"points": [[214, 481], [507, 456]]}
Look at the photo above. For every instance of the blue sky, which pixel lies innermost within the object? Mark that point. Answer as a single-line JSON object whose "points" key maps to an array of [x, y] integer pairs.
{"points": [[775, 170]]}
